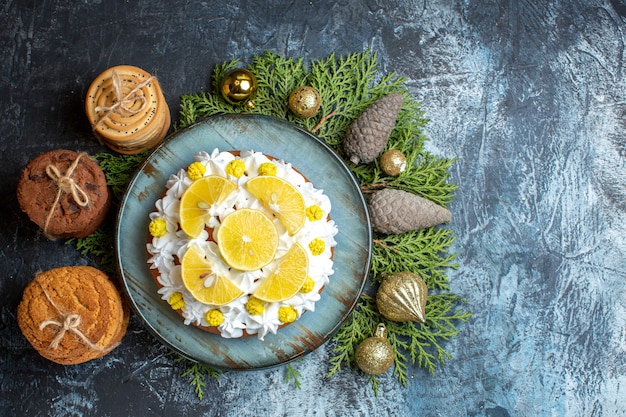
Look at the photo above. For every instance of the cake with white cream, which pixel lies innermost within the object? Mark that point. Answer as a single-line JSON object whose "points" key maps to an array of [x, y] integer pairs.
{"points": [[241, 243]]}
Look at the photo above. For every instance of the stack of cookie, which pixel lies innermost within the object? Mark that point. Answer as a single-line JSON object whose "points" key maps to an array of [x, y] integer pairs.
{"points": [[73, 314], [65, 193], [127, 110]]}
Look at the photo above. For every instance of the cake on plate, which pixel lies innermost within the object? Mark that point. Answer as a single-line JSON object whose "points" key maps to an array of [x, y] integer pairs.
{"points": [[241, 243]]}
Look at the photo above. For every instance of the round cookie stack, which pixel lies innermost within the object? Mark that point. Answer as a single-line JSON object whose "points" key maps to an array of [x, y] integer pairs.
{"points": [[65, 193], [73, 314], [127, 110]]}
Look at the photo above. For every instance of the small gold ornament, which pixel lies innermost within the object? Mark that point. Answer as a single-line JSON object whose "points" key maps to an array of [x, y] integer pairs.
{"points": [[393, 162], [402, 297], [304, 102], [374, 355], [238, 86]]}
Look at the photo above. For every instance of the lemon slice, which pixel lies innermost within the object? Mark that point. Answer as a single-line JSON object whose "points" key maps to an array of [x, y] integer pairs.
{"points": [[205, 285], [282, 198], [198, 199], [247, 239], [287, 279]]}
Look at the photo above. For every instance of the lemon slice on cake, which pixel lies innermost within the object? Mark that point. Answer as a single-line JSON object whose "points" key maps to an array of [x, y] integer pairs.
{"points": [[287, 278], [282, 198], [247, 239], [197, 200], [205, 285]]}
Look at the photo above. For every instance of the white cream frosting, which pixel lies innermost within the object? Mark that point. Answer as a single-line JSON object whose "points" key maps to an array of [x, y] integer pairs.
{"points": [[165, 251]]}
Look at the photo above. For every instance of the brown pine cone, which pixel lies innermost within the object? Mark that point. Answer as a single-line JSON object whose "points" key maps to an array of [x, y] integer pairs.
{"points": [[396, 211], [369, 133]]}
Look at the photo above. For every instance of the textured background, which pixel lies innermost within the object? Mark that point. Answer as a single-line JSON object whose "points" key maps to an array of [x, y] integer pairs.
{"points": [[530, 97]]}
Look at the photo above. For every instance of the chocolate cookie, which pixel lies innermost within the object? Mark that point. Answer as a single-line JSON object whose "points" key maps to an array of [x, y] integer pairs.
{"points": [[72, 314], [64, 193]]}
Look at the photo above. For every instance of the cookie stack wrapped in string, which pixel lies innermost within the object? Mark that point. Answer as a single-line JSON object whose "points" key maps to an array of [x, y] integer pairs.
{"points": [[65, 193], [72, 314], [127, 109]]}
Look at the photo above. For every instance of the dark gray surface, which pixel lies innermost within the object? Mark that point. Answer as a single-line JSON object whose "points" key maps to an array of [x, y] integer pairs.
{"points": [[530, 97]]}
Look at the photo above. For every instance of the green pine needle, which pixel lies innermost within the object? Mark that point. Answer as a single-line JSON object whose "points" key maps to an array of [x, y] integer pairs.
{"points": [[423, 252], [119, 170], [292, 374], [99, 244], [197, 374]]}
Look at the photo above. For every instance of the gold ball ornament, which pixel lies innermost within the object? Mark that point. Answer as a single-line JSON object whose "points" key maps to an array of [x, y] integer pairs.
{"points": [[375, 355], [393, 162], [402, 297], [238, 86], [304, 102]]}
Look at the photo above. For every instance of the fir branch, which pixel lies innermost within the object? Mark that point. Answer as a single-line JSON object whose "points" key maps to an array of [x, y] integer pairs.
{"points": [[276, 77], [374, 381], [424, 252], [360, 325], [197, 373], [194, 107], [197, 106], [425, 175], [347, 86], [415, 343], [119, 170], [292, 374], [100, 245]]}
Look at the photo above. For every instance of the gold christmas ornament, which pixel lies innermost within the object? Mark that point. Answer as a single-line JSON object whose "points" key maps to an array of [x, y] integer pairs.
{"points": [[305, 101], [374, 355], [402, 297], [393, 162], [238, 86]]}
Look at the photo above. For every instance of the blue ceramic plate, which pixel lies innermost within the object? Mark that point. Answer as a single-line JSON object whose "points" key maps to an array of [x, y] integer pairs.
{"points": [[311, 157]]}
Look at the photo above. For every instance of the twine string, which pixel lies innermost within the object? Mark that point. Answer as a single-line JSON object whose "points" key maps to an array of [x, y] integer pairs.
{"points": [[70, 323], [123, 104], [65, 184]]}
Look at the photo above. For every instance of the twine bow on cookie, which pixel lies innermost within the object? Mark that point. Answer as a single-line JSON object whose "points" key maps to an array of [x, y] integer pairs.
{"points": [[65, 184], [70, 323], [122, 104]]}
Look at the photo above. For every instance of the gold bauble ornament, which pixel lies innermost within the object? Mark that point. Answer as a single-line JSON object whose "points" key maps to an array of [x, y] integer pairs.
{"points": [[375, 355], [393, 162], [238, 86], [402, 297], [305, 101]]}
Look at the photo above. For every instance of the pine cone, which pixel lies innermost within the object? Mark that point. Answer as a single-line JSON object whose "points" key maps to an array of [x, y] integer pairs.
{"points": [[396, 211], [369, 133]]}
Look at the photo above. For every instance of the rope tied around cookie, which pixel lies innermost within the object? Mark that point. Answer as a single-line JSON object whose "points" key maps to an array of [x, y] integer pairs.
{"points": [[70, 323], [65, 184], [122, 104]]}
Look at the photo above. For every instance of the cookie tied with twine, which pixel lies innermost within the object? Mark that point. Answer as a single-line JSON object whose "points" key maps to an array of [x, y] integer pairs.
{"points": [[72, 314], [65, 193], [127, 109]]}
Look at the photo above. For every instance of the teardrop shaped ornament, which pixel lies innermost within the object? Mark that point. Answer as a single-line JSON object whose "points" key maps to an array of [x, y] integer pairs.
{"points": [[402, 297]]}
